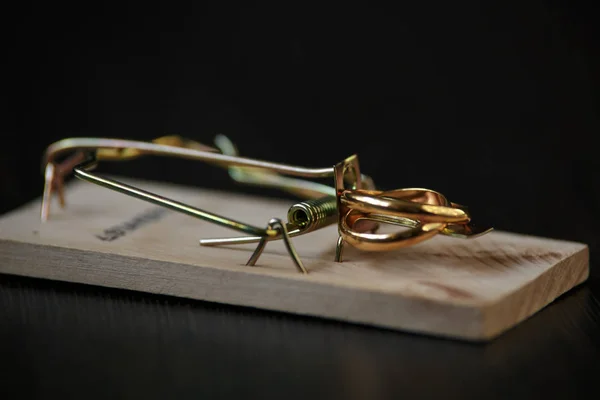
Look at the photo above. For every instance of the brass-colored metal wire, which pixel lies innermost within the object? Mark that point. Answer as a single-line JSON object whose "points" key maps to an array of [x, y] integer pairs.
{"points": [[353, 202], [313, 214]]}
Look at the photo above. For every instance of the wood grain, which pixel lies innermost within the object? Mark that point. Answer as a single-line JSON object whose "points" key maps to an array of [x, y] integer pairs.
{"points": [[464, 289]]}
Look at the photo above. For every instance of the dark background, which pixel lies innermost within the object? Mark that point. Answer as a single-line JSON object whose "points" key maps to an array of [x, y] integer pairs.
{"points": [[493, 104]]}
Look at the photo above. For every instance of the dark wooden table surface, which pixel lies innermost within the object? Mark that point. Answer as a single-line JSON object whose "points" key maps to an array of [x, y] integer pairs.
{"points": [[75, 341]]}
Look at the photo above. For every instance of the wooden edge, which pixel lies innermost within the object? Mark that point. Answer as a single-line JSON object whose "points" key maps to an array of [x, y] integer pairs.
{"points": [[369, 308], [500, 316]]}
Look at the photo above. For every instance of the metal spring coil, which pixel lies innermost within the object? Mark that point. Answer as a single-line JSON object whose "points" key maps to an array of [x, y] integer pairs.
{"points": [[314, 214]]}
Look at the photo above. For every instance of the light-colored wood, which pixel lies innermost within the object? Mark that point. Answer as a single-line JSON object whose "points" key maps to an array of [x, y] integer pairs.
{"points": [[465, 289]]}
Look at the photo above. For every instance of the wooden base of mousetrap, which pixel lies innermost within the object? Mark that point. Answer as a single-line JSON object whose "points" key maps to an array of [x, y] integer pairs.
{"points": [[465, 289]]}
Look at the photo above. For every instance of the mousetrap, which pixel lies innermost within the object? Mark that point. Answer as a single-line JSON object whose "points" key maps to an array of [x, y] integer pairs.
{"points": [[420, 278]]}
